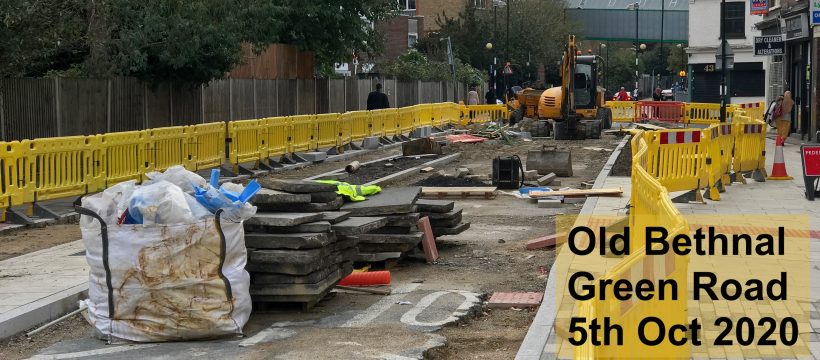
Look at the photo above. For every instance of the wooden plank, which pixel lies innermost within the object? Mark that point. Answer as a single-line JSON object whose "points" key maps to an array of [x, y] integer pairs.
{"points": [[617, 192]]}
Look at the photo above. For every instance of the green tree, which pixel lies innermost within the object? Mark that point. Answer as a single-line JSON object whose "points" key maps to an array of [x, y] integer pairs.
{"points": [[414, 65], [677, 59]]}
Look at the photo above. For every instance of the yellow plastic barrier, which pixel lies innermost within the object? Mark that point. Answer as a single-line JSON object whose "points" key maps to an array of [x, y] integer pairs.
{"points": [[650, 206], [677, 159], [207, 145], [122, 157], [438, 115], [327, 131], [275, 134], [359, 124], [483, 113], [387, 120], [424, 115], [702, 113], [247, 143], [302, 130], [166, 147], [622, 111], [409, 118], [9, 191], [719, 159], [754, 110], [54, 168], [451, 114], [750, 146]]}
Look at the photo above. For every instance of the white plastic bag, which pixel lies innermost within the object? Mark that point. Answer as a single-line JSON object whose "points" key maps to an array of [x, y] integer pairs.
{"points": [[165, 282], [160, 203], [179, 176]]}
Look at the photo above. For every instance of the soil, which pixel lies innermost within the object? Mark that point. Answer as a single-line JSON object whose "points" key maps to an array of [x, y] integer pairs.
{"points": [[26, 240], [377, 170], [451, 181], [623, 164], [21, 347]]}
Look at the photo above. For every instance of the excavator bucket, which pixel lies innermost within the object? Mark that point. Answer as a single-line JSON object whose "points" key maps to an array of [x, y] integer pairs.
{"points": [[550, 160]]}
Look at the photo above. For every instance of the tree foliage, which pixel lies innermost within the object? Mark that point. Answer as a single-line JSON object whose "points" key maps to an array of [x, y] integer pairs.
{"points": [[416, 66], [187, 40]]}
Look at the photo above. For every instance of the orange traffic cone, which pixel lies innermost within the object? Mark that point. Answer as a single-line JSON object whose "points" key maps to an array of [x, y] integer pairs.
{"points": [[779, 166]]}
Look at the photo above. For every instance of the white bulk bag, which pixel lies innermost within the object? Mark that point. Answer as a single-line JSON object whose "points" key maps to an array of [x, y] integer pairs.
{"points": [[166, 282]]}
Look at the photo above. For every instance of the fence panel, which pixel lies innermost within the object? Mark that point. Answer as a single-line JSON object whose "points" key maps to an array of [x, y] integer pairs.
{"points": [[702, 113], [276, 131], [677, 159], [720, 148], [302, 130], [167, 147], [328, 134], [483, 113], [408, 118], [666, 111], [337, 95], [306, 97], [83, 106], [121, 157], [207, 145], [246, 142], [187, 104], [127, 104], [388, 119], [9, 176], [242, 106], [286, 97], [754, 110], [750, 145], [622, 111], [216, 96], [29, 108], [266, 104], [54, 168]]}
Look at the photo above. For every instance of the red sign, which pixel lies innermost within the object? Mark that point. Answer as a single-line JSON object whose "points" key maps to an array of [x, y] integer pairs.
{"points": [[759, 7], [811, 160]]}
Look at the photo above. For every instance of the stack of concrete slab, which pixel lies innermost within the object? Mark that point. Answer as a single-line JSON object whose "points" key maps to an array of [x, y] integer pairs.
{"points": [[398, 234], [294, 253], [445, 219]]}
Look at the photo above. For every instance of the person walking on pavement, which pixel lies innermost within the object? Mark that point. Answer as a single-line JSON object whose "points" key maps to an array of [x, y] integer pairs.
{"points": [[622, 95], [472, 97], [783, 116], [656, 96], [377, 99], [490, 96]]}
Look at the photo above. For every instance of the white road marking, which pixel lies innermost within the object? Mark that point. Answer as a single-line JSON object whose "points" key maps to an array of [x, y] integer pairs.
{"points": [[380, 306], [96, 352], [470, 299], [277, 331]]}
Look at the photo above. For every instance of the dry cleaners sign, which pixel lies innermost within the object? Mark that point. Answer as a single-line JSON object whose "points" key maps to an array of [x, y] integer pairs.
{"points": [[769, 45]]}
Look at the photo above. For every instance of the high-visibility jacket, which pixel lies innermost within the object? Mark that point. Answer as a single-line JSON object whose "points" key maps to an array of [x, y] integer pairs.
{"points": [[353, 192]]}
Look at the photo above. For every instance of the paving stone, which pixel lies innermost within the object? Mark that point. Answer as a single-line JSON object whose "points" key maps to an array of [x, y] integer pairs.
{"points": [[428, 240], [546, 179], [412, 238], [373, 257], [314, 277], [288, 241], [268, 196], [385, 247], [574, 200], [460, 228], [390, 201], [505, 300], [548, 203], [541, 242], [293, 262], [313, 156], [304, 207], [530, 174], [359, 225], [283, 219], [323, 197], [298, 289], [312, 227], [335, 216], [443, 223], [395, 230], [434, 206], [371, 143], [443, 216], [462, 172], [403, 219], [295, 186]]}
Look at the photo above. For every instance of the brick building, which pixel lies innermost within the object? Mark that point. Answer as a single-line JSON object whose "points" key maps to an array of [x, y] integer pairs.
{"points": [[400, 34]]}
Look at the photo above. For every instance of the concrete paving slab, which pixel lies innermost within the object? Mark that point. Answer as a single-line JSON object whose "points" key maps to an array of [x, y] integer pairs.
{"points": [[335, 204], [335, 216], [458, 229], [397, 200], [298, 289], [288, 241], [268, 196], [442, 223], [506, 300], [313, 156], [434, 206], [282, 219], [395, 230], [311, 227], [452, 214], [412, 238], [323, 197], [408, 219], [359, 225], [374, 257], [314, 277], [295, 186]]}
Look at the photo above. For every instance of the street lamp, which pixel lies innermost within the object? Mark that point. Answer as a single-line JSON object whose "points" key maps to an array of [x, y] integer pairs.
{"points": [[636, 7], [452, 67], [723, 45], [602, 46]]}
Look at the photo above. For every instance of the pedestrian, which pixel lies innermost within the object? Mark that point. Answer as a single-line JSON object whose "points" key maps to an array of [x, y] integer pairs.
{"points": [[783, 115], [490, 96], [472, 97], [656, 96], [377, 99], [622, 95], [769, 115]]}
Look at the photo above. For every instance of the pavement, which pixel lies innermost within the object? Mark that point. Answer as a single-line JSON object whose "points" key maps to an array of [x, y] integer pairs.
{"points": [[752, 200]]}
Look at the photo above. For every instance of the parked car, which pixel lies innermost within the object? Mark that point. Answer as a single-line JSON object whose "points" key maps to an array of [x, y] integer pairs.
{"points": [[667, 94]]}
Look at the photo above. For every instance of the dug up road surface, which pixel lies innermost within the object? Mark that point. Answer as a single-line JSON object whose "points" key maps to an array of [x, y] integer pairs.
{"points": [[436, 311]]}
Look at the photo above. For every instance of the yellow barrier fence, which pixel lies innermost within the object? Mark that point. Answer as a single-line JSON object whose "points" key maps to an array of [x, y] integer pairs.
{"points": [[409, 118], [677, 159], [246, 142], [166, 147], [206, 145], [755, 110], [750, 146], [9, 176], [451, 114], [55, 168], [122, 157], [276, 132], [702, 113], [719, 159], [622, 111], [388, 121], [302, 128], [483, 113], [358, 123], [424, 115], [328, 134]]}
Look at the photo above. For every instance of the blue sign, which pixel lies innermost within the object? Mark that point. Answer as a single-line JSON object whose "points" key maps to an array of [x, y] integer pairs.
{"points": [[815, 17]]}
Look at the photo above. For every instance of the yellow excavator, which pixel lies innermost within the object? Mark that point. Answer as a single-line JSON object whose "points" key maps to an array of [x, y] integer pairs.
{"points": [[577, 107]]}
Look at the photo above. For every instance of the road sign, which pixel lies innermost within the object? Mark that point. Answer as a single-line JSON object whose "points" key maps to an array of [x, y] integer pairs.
{"points": [[769, 45], [811, 169], [759, 7], [815, 12], [730, 57]]}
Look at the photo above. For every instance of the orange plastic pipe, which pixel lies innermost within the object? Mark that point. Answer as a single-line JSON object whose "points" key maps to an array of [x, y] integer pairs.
{"points": [[367, 278]]}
